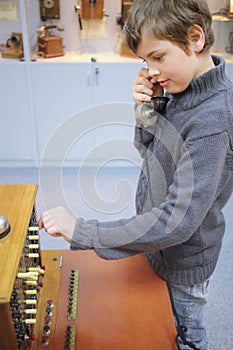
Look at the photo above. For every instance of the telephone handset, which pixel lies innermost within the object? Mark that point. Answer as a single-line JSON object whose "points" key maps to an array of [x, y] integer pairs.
{"points": [[147, 113], [49, 9]]}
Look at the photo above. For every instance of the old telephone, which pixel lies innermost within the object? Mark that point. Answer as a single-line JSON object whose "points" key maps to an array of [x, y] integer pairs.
{"points": [[147, 113], [49, 9], [231, 8], [14, 46], [45, 307], [49, 45], [92, 9]]}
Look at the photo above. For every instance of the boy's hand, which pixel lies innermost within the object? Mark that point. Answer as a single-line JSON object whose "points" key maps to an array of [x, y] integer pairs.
{"points": [[144, 87], [58, 222]]}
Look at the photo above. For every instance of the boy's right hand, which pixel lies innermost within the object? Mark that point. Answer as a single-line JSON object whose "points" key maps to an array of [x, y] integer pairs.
{"points": [[58, 222], [144, 87]]}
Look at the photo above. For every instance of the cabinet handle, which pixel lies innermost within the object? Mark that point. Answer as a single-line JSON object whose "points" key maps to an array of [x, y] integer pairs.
{"points": [[97, 75], [88, 78]]}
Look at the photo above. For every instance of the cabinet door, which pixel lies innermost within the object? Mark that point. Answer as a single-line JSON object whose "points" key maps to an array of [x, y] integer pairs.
{"points": [[113, 81], [114, 113], [17, 141], [63, 94]]}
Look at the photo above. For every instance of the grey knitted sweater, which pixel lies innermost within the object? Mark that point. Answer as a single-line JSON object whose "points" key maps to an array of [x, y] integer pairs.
{"points": [[186, 179]]}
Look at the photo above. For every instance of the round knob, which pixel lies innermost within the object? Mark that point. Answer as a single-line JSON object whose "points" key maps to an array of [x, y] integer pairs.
{"points": [[4, 226]]}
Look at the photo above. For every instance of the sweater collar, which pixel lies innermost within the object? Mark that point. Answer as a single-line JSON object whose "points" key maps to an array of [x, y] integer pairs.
{"points": [[203, 86]]}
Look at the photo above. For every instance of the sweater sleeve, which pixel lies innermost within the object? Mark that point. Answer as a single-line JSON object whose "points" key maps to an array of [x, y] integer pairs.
{"points": [[196, 184]]}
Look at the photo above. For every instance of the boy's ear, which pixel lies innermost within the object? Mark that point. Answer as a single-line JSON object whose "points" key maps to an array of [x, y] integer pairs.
{"points": [[196, 38]]}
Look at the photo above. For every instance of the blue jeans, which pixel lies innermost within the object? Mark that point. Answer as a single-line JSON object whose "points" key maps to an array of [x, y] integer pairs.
{"points": [[189, 302]]}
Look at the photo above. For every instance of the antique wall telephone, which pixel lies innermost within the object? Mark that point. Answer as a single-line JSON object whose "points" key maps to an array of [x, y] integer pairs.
{"points": [[92, 9], [230, 8], [89, 9], [49, 9], [14, 46]]}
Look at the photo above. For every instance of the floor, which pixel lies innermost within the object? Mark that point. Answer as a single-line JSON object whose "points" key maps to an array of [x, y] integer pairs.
{"points": [[109, 193]]}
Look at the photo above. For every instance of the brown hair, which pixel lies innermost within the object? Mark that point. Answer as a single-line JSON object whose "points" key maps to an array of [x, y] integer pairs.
{"points": [[168, 20]]}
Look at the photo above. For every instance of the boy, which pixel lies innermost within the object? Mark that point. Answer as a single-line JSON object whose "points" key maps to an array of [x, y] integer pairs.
{"points": [[187, 175]]}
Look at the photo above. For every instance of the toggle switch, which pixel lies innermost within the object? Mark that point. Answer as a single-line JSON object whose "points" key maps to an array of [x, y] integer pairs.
{"points": [[30, 311], [46, 329], [31, 292], [48, 311], [45, 340], [48, 320], [36, 269], [30, 321], [30, 302], [50, 303], [30, 283], [33, 237], [33, 255], [33, 228], [33, 246], [28, 275]]}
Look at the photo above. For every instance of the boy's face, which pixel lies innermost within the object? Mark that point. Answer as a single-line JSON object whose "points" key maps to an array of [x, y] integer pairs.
{"points": [[168, 64]]}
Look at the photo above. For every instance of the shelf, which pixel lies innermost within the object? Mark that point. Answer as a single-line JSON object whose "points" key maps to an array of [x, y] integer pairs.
{"points": [[227, 56], [72, 57], [105, 57], [222, 18]]}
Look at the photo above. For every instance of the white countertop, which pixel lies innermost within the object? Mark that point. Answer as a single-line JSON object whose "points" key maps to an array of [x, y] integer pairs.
{"points": [[105, 57], [110, 57]]}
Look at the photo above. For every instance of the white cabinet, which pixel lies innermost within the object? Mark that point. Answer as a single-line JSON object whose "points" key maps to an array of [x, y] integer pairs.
{"points": [[17, 141], [114, 114], [69, 113], [79, 106], [59, 90], [84, 111], [64, 110], [113, 81]]}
